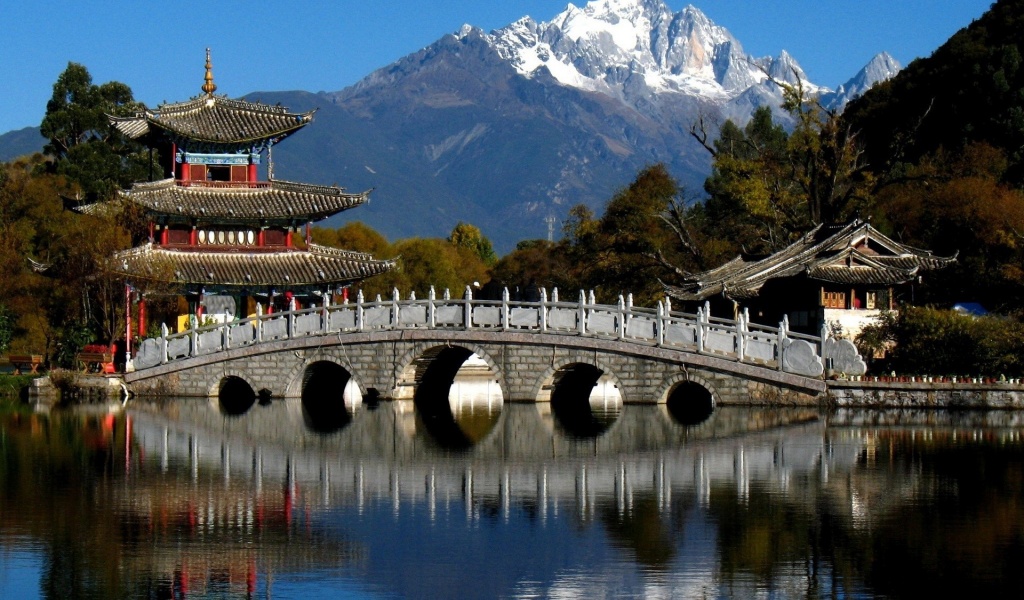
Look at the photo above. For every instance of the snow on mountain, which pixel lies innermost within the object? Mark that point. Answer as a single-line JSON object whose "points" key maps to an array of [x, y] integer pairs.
{"points": [[509, 128], [880, 68], [636, 49], [642, 53]]}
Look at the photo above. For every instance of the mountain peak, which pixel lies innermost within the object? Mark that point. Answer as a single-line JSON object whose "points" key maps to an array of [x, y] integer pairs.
{"points": [[880, 68]]}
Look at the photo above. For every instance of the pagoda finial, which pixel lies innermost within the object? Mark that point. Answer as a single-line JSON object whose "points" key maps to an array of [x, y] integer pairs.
{"points": [[209, 86]]}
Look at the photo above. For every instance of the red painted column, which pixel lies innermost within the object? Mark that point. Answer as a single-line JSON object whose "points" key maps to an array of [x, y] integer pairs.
{"points": [[252, 172], [127, 324], [192, 237], [142, 317], [261, 238], [163, 236], [288, 238]]}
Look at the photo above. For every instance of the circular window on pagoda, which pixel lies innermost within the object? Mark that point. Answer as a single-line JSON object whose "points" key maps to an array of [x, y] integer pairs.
{"points": [[220, 237], [202, 236], [249, 237], [231, 237], [211, 237]]}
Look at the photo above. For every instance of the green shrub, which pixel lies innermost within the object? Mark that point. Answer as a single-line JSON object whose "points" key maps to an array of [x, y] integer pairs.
{"points": [[945, 342]]}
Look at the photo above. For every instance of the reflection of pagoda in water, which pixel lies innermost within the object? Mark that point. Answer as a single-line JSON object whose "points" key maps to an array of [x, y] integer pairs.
{"points": [[217, 233], [207, 532]]}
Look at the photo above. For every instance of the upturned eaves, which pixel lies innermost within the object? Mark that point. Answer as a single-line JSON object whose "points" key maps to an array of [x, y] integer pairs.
{"points": [[274, 200], [315, 267], [215, 119]]}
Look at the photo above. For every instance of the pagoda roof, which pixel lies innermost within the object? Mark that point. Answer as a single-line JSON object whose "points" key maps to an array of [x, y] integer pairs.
{"points": [[854, 253], [271, 200], [214, 119], [317, 266]]}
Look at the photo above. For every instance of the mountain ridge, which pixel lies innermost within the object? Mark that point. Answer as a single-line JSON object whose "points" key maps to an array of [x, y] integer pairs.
{"points": [[509, 128]]}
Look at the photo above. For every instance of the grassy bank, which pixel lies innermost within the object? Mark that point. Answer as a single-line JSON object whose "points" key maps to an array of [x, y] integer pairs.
{"points": [[12, 389]]}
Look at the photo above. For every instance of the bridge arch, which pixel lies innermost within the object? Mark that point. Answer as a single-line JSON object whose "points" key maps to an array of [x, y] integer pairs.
{"points": [[412, 366], [235, 396], [329, 397], [689, 399], [565, 397], [545, 384], [297, 375], [428, 377]]}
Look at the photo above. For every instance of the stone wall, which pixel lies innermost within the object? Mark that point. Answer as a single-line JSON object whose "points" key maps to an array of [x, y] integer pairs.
{"points": [[870, 394]]}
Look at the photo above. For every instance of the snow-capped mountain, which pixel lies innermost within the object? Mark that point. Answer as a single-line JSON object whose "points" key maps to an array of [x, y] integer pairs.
{"points": [[642, 53], [507, 128], [880, 68]]}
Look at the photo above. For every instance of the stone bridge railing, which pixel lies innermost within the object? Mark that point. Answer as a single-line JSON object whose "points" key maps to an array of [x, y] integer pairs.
{"points": [[772, 347]]}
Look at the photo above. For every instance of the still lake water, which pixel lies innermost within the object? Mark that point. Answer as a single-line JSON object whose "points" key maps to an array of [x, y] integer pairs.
{"points": [[178, 499]]}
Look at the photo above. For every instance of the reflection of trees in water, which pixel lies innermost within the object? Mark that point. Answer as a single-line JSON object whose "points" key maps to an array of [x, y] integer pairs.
{"points": [[111, 529], [762, 533], [959, 534], [913, 519], [645, 529]]}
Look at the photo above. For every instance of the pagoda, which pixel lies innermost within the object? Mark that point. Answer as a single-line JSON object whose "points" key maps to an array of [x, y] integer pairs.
{"points": [[218, 236], [841, 276]]}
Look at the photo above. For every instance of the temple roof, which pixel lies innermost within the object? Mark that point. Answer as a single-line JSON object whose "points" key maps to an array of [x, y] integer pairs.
{"points": [[225, 201], [855, 253], [316, 267], [214, 119]]}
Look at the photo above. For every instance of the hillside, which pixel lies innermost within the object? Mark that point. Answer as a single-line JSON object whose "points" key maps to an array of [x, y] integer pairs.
{"points": [[20, 142], [968, 90]]}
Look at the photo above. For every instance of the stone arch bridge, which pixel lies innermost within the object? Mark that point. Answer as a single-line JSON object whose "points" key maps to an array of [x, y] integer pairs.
{"points": [[391, 348]]}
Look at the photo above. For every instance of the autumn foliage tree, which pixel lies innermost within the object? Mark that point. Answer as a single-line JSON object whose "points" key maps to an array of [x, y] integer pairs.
{"points": [[422, 263]]}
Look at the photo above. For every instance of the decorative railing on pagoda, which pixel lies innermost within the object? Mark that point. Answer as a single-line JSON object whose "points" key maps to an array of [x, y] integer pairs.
{"points": [[223, 184], [661, 327]]}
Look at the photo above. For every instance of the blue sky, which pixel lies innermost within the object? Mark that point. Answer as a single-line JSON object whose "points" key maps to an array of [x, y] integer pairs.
{"points": [[158, 48]]}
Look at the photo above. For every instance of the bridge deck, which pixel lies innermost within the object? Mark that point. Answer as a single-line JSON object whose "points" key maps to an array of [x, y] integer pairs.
{"points": [[633, 329]]}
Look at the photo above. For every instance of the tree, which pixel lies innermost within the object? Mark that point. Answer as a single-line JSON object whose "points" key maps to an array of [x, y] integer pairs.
{"points": [[753, 199], [534, 264], [469, 237], [644, 235], [7, 321], [768, 186], [85, 148], [957, 203], [423, 263], [356, 236]]}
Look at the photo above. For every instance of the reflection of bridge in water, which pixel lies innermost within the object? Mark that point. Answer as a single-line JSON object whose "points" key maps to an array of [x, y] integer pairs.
{"points": [[232, 478], [384, 455]]}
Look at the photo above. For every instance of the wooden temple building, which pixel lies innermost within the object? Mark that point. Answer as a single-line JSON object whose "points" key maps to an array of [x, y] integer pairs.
{"points": [[221, 239], [835, 275]]}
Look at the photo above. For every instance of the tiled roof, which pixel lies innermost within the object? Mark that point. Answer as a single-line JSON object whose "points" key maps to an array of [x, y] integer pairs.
{"points": [[215, 119], [856, 253], [317, 266], [273, 200]]}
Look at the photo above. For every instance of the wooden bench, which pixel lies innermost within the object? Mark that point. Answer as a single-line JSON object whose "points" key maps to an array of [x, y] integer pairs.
{"points": [[21, 362], [96, 362]]}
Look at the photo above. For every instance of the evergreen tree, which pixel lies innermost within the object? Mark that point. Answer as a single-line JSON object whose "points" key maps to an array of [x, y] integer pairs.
{"points": [[84, 147]]}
